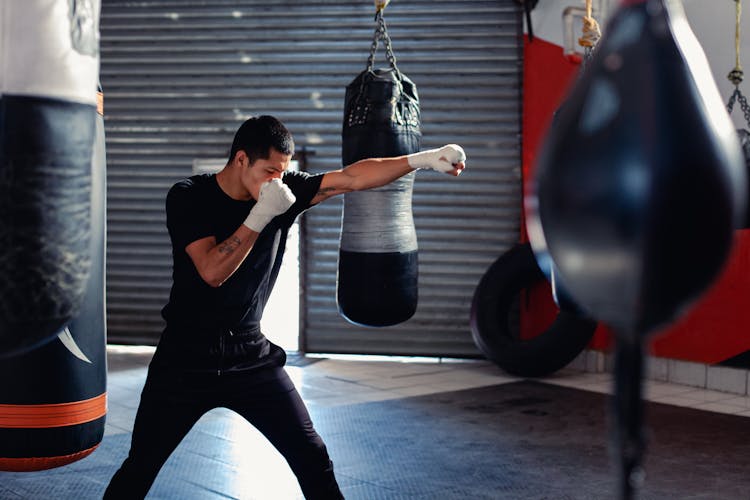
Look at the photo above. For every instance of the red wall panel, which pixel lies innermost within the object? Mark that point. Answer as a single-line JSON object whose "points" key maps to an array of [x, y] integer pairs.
{"points": [[717, 326]]}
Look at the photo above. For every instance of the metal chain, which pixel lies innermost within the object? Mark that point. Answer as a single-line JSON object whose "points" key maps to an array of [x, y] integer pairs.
{"points": [[381, 33], [744, 106], [588, 54]]}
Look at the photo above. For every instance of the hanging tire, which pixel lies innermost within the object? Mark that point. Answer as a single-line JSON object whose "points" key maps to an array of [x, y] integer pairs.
{"points": [[499, 340]]}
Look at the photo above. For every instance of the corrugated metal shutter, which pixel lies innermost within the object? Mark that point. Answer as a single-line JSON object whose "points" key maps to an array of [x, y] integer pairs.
{"points": [[465, 60], [180, 76]]}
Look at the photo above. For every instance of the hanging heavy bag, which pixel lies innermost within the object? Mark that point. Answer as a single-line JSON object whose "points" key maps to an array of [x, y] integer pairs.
{"points": [[49, 78], [377, 269], [53, 412]]}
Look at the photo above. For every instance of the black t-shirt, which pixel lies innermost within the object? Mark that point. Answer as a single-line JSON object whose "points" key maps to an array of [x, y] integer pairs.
{"points": [[196, 208]]}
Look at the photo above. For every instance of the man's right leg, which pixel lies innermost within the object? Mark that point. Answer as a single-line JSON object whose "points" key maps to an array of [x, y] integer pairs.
{"points": [[276, 409], [160, 424]]}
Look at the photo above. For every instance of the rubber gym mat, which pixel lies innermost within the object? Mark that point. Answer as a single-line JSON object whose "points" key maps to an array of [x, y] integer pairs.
{"points": [[524, 440], [528, 440]]}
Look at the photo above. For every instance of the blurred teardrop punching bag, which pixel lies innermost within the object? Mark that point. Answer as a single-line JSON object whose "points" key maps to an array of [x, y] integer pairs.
{"points": [[640, 181], [639, 186], [377, 270], [53, 412], [49, 70]]}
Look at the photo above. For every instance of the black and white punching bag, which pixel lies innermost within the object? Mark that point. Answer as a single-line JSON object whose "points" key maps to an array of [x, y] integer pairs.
{"points": [[53, 411], [639, 186], [49, 71], [377, 271]]}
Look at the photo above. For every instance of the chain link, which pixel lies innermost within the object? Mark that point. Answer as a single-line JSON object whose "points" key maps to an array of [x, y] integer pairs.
{"points": [[381, 33], [588, 54], [744, 106]]}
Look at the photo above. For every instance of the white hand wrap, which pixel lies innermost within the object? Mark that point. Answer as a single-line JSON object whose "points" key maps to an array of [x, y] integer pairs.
{"points": [[441, 159], [274, 199]]}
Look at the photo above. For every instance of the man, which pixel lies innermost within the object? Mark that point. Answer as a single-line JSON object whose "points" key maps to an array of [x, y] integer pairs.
{"points": [[228, 233]]}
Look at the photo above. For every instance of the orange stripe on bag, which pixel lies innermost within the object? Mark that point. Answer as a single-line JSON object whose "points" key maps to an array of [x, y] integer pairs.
{"points": [[42, 463], [52, 415]]}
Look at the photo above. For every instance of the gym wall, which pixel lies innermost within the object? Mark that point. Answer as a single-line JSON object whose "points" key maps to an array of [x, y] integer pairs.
{"points": [[180, 76]]}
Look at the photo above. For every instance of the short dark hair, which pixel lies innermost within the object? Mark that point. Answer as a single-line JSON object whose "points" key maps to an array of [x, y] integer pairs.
{"points": [[258, 135]]}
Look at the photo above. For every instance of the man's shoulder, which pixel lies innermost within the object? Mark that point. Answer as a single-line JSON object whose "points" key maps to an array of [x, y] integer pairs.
{"points": [[295, 178], [190, 184], [193, 182], [188, 192], [299, 175]]}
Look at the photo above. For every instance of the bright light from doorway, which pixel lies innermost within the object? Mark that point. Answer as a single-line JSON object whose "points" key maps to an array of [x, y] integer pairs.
{"points": [[280, 321]]}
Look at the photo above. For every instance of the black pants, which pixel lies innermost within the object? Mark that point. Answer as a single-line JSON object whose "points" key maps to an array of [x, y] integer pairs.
{"points": [[172, 401]]}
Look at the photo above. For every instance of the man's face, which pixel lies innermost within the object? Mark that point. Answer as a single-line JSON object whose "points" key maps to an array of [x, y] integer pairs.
{"points": [[263, 170]]}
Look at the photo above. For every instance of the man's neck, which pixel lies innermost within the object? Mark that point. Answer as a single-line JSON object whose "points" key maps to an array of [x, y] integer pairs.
{"points": [[229, 181]]}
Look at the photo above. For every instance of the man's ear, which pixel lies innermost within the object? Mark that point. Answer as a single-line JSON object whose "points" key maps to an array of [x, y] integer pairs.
{"points": [[242, 158]]}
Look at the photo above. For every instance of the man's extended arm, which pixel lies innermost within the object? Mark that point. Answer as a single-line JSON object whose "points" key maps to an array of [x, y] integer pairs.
{"points": [[376, 172]]}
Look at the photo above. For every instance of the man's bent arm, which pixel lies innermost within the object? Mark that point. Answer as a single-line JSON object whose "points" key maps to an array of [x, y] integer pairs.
{"points": [[217, 262]]}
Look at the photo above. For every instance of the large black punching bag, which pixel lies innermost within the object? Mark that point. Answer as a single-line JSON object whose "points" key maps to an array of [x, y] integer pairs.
{"points": [[49, 65], [639, 186], [377, 272], [53, 411]]}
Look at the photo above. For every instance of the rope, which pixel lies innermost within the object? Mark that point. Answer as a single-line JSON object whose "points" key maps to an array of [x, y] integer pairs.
{"points": [[380, 5], [738, 16], [591, 31], [737, 75]]}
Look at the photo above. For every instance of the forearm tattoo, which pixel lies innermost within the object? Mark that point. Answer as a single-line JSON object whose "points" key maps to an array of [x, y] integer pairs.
{"points": [[325, 190], [230, 245]]}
